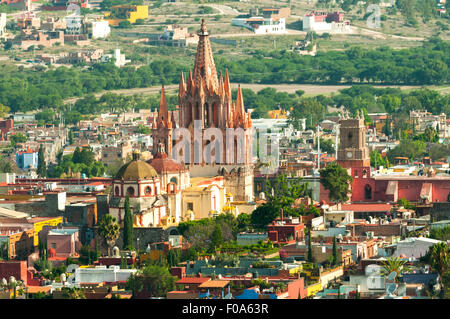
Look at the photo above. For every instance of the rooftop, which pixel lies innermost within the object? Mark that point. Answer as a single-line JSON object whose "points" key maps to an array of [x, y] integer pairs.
{"points": [[215, 284]]}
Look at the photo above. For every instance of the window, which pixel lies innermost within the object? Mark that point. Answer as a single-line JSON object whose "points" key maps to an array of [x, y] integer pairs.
{"points": [[190, 206], [117, 191], [130, 191], [367, 192], [148, 190], [54, 245]]}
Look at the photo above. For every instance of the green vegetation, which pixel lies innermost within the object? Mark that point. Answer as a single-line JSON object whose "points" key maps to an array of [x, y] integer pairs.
{"points": [[108, 229], [376, 160], [336, 179], [42, 166], [440, 233], [88, 255], [30, 90], [79, 162], [281, 195], [155, 280], [128, 226], [206, 234], [440, 260], [17, 138], [394, 264]]}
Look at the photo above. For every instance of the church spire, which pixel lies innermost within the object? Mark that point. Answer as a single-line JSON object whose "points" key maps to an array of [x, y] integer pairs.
{"points": [[204, 67], [240, 111], [163, 114], [182, 86], [227, 86]]}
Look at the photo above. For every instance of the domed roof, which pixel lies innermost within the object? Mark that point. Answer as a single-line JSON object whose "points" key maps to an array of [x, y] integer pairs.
{"points": [[162, 164], [136, 169]]}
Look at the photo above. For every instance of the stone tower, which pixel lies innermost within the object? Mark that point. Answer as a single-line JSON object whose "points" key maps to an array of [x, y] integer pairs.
{"points": [[353, 150]]}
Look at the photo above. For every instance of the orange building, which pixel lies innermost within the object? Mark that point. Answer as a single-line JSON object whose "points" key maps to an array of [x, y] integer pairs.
{"points": [[18, 242]]}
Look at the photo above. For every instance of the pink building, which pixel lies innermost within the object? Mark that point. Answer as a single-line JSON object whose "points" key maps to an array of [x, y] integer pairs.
{"points": [[63, 242]]}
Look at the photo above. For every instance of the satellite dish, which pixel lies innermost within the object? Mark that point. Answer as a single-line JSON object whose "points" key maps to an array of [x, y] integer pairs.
{"points": [[391, 288], [392, 276]]}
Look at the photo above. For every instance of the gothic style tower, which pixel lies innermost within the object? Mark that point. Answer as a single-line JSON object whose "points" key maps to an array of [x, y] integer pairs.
{"points": [[205, 103], [163, 126]]}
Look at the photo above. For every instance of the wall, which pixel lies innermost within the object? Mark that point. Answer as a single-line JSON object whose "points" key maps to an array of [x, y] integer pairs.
{"points": [[311, 290], [296, 289], [18, 269], [330, 275], [101, 274]]}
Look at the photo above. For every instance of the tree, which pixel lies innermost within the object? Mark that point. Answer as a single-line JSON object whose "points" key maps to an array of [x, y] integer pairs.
{"points": [[216, 238], [394, 264], [264, 215], [3, 110], [336, 179], [108, 229], [70, 137], [335, 253], [73, 293], [128, 226], [173, 257], [376, 160], [154, 279], [326, 146], [310, 254], [42, 166], [17, 138], [125, 25], [440, 259]]}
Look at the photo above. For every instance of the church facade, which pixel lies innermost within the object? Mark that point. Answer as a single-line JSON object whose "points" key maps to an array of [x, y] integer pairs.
{"points": [[213, 136]]}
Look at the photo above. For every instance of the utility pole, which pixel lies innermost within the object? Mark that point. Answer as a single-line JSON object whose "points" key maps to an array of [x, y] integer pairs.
{"points": [[336, 141], [318, 148]]}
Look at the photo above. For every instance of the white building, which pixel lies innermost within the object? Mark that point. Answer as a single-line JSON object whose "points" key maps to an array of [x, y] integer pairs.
{"points": [[118, 58], [261, 25], [313, 22], [100, 29], [2, 23], [100, 274], [414, 247]]}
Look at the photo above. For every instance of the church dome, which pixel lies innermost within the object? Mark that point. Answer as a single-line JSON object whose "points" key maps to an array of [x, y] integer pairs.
{"points": [[136, 169], [163, 164]]}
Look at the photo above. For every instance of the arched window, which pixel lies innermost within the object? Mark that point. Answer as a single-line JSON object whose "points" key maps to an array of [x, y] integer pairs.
{"points": [[364, 173], [367, 192], [148, 190], [117, 191], [206, 115], [174, 180], [130, 191]]}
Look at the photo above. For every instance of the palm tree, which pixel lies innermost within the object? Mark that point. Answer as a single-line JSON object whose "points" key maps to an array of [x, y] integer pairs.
{"points": [[439, 260], [109, 230], [394, 264]]}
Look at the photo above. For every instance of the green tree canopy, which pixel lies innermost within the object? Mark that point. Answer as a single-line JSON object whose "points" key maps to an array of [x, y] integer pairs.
{"points": [[335, 179]]}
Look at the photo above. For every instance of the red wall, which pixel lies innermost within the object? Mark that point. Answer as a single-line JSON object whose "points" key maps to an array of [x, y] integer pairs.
{"points": [[18, 269], [296, 289], [409, 189]]}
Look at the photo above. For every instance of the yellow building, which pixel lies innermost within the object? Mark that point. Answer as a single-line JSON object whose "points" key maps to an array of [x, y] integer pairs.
{"points": [[277, 114], [312, 289], [40, 222], [129, 13]]}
